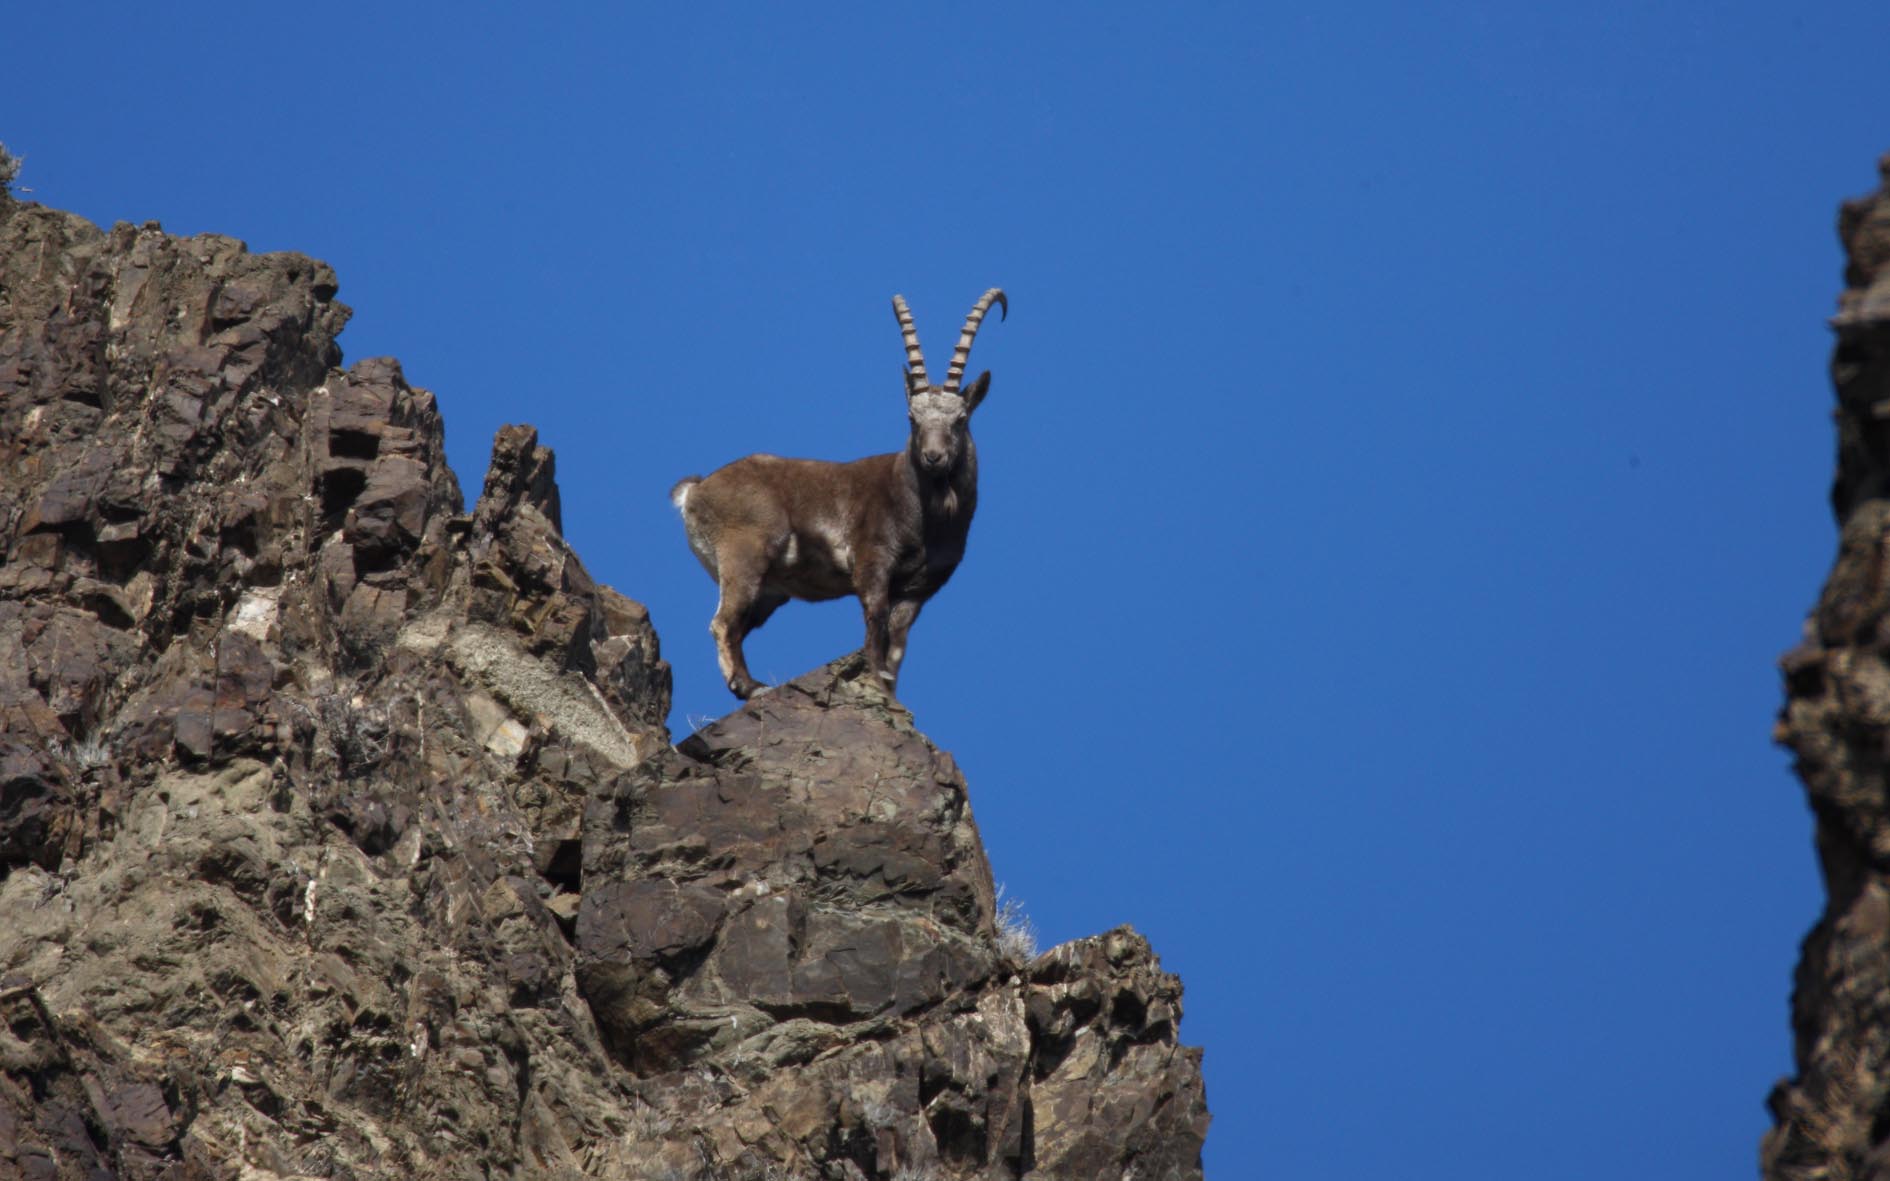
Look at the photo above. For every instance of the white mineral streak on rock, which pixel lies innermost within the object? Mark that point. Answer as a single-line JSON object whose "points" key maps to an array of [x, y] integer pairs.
{"points": [[256, 612]]}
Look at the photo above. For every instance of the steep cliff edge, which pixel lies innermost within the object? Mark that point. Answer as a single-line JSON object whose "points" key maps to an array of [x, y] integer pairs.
{"points": [[341, 834], [1833, 1119]]}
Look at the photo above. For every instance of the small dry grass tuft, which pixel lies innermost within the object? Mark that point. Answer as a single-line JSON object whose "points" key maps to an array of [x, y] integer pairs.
{"points": [[1016, 934]]}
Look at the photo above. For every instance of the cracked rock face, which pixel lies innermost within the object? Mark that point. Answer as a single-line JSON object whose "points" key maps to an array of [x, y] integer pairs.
{"points": [[1833, 1119], [341, 834]]}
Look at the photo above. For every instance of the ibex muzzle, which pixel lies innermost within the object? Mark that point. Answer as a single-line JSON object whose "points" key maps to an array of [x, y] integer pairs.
{"points": [[888, 528]]}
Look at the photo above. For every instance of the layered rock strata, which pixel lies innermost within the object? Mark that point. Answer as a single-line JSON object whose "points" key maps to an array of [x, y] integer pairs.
{"points": [[341, 834], [1833, 1118]]}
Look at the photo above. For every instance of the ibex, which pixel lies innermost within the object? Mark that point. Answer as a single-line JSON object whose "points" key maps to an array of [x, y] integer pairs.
{"points": [[888, 528]]}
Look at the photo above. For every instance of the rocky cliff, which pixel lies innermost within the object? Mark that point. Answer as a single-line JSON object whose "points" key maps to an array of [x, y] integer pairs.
{"points": [[341, 834], [1833, 1119]]}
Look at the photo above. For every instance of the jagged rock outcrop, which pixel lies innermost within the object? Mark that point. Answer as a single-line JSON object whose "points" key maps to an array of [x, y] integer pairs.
{"points": [[1833, 1119], [341, 834]]}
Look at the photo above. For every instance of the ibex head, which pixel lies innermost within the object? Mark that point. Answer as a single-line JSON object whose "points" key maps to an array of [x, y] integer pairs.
{"points": [[941, 415]]}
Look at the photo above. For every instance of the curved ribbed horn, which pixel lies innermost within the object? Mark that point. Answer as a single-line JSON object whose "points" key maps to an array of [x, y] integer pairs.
{"points": [[915, 358], [956, 372]]}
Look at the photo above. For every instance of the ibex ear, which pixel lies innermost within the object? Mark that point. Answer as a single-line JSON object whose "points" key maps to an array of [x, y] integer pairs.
{"points": [[906, 376], [974, 393]]}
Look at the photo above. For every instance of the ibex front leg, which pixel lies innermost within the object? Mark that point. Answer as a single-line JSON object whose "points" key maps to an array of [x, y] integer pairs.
{"points": [[898, 625], [876, 604]]}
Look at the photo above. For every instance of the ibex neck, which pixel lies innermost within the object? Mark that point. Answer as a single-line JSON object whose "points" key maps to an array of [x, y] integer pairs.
{"points": [[948, 497]]}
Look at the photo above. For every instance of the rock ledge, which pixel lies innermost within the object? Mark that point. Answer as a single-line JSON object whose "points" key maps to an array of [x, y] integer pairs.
{"points": [[341, 834]]}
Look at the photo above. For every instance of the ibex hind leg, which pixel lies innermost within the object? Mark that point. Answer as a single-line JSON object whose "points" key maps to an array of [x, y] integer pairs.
{"points": [[728, 655], [743, 607]]}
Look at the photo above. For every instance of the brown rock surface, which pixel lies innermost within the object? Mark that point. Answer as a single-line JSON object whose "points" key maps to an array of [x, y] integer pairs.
{"points": [[341, 835], [1833, 1119]]}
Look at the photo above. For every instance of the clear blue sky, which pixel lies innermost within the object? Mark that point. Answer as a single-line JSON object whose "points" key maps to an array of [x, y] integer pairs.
{"points": [[1406, 457]]}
